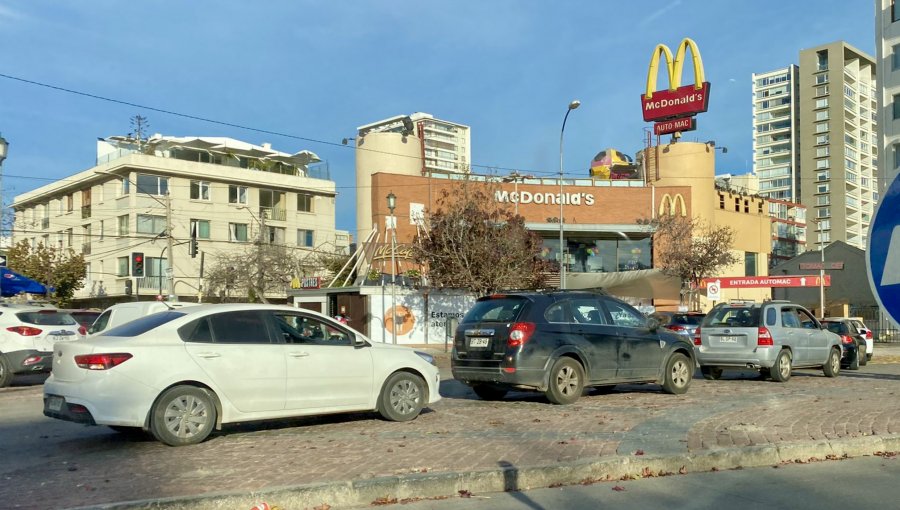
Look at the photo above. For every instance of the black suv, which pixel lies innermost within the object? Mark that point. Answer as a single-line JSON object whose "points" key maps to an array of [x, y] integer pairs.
{"points": [[562, 341]]}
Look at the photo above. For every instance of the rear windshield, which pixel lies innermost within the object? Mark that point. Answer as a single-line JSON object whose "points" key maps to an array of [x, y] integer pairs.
{"points": [[505, 309], [837, 327], [143, 325], [47, 318], [692, 320], [734, 316]]}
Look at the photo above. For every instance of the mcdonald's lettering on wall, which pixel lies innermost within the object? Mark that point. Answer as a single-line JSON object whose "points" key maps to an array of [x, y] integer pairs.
{"points": [[676, 101]]}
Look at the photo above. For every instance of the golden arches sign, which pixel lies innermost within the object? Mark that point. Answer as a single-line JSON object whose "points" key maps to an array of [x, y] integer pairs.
{"points": [[675, 66], [670, 205]]}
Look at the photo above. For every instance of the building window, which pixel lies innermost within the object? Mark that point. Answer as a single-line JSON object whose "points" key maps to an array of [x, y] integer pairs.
{"points": [[102, 230], [823, 176], [895, 15], [721, 201], [824, 225], [70, 203], [822, 139], [822, 163], [822, 188], [821, 127], [152, 184], [896, 106], [149, 224], [822, 78], [822, 103], [125, 187], [304, 202], [823, 200], [822, 115], [237, 232], [750, 263], [123, 226], [122, 266], [896, 148], [304, 238], [237, 194], [822, 60], [202, 227], [275, 235], [199, 190], [821, 152], [824, 212]]}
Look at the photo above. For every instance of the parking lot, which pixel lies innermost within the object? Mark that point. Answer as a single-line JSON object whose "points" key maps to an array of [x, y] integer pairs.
{"points": [[53, 464]]}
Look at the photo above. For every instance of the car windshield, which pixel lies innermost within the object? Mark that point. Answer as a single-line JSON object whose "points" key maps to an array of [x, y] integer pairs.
{"points": [[836, 327], [143, 325], [734, 316], [46, 318], [496, 309], [692, 320]]}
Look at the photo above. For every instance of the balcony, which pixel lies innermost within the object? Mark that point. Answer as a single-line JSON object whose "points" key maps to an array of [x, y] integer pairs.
{"points": [[273, 213]]}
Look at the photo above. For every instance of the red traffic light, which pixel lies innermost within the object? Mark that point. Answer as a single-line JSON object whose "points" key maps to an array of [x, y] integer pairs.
{"points": [[138, 258]]}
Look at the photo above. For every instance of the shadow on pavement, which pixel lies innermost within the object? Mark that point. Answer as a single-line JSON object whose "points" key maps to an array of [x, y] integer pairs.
{"points": [[511, 485]]}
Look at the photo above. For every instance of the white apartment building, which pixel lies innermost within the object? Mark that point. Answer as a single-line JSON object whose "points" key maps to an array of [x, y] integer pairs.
{"points": [[446, 146], [887, 48], [230, 191], [776, 139], [815, 139]]}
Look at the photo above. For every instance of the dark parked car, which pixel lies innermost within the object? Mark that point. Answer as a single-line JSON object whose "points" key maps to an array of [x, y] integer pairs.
{"points": [[560, 342], [853, 342], [84, 317], [683, 323]]}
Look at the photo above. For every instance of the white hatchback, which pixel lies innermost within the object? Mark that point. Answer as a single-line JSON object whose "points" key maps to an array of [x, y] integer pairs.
{"points": [[28, 333], [181, 373]]}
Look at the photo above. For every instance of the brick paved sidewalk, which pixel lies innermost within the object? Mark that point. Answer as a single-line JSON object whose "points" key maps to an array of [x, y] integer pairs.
{"points": [[462, 433]]}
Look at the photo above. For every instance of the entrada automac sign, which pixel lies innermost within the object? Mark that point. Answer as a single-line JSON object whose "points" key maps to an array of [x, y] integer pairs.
{"points": [[677, 101]]}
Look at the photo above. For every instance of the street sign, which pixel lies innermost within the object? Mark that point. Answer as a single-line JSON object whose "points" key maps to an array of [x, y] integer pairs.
{"points": [[713, 290], [883, 252], [818, 265], [759, 282], [2, 260]]}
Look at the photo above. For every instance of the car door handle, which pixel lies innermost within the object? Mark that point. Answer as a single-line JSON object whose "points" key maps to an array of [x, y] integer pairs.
{"points": [[298, 354], [208, 355]]}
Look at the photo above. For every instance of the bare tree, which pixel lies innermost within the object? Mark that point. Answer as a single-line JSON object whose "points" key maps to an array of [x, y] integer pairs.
{"points": [[252, 273], [692, 249], [473, 242], [139, 127]]}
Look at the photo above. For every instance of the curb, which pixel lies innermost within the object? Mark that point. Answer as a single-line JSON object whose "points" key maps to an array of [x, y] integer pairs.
{"points": [[511, 478]]}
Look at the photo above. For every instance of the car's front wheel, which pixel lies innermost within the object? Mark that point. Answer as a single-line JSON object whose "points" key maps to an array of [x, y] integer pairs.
{"points": [[854, 361], [6, 373], [832, 367], [861, 354], [781, 371], [679, 373], [566, 381], [183, 415], [402, 397]]}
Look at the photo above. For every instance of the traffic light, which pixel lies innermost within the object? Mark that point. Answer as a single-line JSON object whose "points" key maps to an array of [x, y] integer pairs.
{"points": [[192, 244], [137, 264]]}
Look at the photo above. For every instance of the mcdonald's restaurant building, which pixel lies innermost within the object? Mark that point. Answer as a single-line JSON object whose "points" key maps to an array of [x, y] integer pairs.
{"points": [[607, 229]]}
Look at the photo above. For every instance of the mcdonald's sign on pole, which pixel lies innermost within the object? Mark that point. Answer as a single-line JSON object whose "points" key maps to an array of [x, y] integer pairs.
{"points": [[677, 101]]}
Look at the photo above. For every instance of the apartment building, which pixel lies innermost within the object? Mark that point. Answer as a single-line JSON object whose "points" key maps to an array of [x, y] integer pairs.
{"points": [[815, 139], [229, 192], [887, 48], [446, 146]]}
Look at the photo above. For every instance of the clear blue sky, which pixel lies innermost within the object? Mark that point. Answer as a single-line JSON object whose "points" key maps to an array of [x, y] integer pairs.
{"points": [[317, 70]]}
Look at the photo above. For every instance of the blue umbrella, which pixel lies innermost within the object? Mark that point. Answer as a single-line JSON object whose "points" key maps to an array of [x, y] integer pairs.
{"points": [[12, 283]]}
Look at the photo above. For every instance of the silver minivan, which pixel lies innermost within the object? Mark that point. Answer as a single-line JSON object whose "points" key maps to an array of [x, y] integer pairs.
{"points": [[773, 337]]}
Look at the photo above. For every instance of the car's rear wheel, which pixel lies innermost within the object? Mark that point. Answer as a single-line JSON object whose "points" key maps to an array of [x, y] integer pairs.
{"points": [[402, 397], [711, 373], [861, 354], [489, 391], [832, 367], [679, 373], [183, 415], [6, 373], [566, 381], [854, 361], [781, 370]]}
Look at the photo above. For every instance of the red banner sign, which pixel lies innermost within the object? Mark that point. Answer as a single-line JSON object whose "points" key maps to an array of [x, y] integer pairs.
{"points": [[759, 282], [674, 126], [681, 102]]}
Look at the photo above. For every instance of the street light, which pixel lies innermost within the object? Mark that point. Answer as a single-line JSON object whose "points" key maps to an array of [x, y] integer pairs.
{"points": [[4, 147], [562, 251], [822, 269], [392, 203]]}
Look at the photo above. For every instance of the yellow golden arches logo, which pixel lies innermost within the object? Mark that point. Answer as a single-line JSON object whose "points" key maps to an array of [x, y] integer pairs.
{"points": [[675, 67], [670, 205]]}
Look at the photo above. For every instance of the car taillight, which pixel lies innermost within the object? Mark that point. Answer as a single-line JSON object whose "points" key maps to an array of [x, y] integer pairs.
{"points": [[101, 361], [82, 330], [675, 327], [764, 338], [847, 339], [519, 333], [24, 330], [697, 340], [868, 335]]}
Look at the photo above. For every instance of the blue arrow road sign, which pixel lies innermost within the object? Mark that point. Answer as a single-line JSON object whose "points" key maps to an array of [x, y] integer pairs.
{"points": [[883, 252]]}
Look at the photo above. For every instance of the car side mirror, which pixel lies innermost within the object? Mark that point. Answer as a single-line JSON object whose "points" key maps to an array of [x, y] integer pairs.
{"points": [[358, 342], [652, 324]]}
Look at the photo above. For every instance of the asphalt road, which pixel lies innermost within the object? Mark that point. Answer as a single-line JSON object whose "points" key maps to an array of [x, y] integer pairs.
{"points": [[867, 482]]}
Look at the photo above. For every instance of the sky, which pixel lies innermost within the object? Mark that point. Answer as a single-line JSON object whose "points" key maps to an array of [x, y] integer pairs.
{"points": [[317, 70]]}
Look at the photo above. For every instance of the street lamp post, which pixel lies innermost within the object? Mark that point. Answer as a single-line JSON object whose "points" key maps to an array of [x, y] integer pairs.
{"points": [[4, 147], [392, 203], [562, 250], [822, 269]]}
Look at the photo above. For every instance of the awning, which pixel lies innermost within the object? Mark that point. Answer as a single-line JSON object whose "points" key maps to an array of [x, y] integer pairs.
{"points": [[643, 283], [12, 283]]}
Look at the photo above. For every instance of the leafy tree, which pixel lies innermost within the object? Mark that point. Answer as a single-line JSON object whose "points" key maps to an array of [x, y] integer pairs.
{"points": [[62, 270], [333, 265], [473, 242], [692, 249]]}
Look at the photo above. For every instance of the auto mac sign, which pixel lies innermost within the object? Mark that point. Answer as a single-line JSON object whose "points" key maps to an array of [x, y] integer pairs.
{"points": [[883, 252], [676, 102]]}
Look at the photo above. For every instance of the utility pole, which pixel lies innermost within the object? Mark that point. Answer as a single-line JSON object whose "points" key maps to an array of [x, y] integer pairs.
{"points": [[259, 254], [170, 271]]}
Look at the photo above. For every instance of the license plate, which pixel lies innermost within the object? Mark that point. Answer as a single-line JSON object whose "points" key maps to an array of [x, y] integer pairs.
{"points": [[479, 342], [54, 403], [728, 339]]}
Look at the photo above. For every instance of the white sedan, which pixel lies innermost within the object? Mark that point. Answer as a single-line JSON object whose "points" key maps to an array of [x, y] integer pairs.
{"points": [[181, 373]]}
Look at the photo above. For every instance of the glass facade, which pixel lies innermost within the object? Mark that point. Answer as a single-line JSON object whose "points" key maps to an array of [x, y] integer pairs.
{"points": [[594, 255]]}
